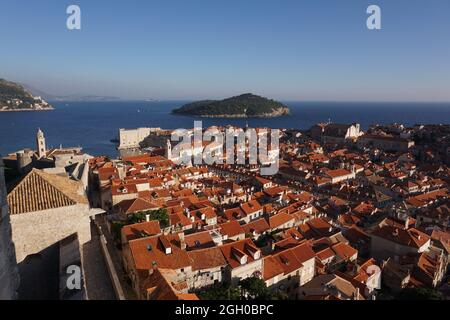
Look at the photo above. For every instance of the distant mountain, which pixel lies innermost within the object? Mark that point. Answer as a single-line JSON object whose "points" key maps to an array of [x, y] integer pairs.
{"points": [[84, 98], [37, 92], [244, 106], [14, 97], [69, 98]]}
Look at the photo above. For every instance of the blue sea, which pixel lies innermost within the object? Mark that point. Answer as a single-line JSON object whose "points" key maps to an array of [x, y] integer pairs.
{"points": [[92, 125]]}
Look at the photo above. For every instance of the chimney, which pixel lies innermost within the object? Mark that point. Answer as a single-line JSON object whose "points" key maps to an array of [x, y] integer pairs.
{"points": [[407, 223], [121, 172], [152, 268], [239, 255], [356, 294], [182, 241], [165, 244], [254, 252], [395, 233], [147, 218]]}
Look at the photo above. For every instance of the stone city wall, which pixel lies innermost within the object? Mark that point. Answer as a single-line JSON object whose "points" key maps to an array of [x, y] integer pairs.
{"points": [[131, 138], [33, 232]]}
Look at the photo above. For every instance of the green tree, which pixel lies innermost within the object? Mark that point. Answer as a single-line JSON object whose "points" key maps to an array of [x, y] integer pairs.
{"points": [[245, 104], [265, 239], [157, 215], [116, 228], [136, 218], [255, 288], [419, 294], [223, 292]]}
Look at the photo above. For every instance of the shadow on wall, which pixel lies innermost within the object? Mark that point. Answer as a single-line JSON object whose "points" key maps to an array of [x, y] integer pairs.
{"points": [[39, 275], [43, 275]]}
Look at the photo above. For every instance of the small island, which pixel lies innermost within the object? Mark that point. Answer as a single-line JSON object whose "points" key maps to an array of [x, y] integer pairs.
{"points": [[244, 106], [14, 97]]}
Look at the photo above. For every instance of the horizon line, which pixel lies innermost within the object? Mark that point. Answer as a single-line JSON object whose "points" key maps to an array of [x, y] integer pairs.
{"points": [[281, 100]]}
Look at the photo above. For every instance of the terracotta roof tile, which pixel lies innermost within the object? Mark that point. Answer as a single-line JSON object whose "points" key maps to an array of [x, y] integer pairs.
{"points": [[344, 251], [198, 240], [259, 226], [251, 207], [38, 191], [231, 228], [279, 219], [271, 268], [149, 251], [304, 252], [288, 261], [207, 258], [140, 230], [337, 173], [136, 205], [245, 246], [411, 237]]}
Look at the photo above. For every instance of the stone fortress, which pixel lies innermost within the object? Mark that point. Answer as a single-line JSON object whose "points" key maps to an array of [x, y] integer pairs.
{"points": [[44, 207], [133, 138]]}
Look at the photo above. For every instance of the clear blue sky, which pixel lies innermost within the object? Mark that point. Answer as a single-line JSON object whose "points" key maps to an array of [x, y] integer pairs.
{"points": [[189, 49]]}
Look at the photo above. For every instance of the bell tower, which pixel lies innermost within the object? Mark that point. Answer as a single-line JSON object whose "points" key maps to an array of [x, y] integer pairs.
{"points": [[40, 144], [168, 149]]}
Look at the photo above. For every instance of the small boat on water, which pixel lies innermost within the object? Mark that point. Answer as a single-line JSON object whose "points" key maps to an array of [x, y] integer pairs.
{"points": [[115, 140]]}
